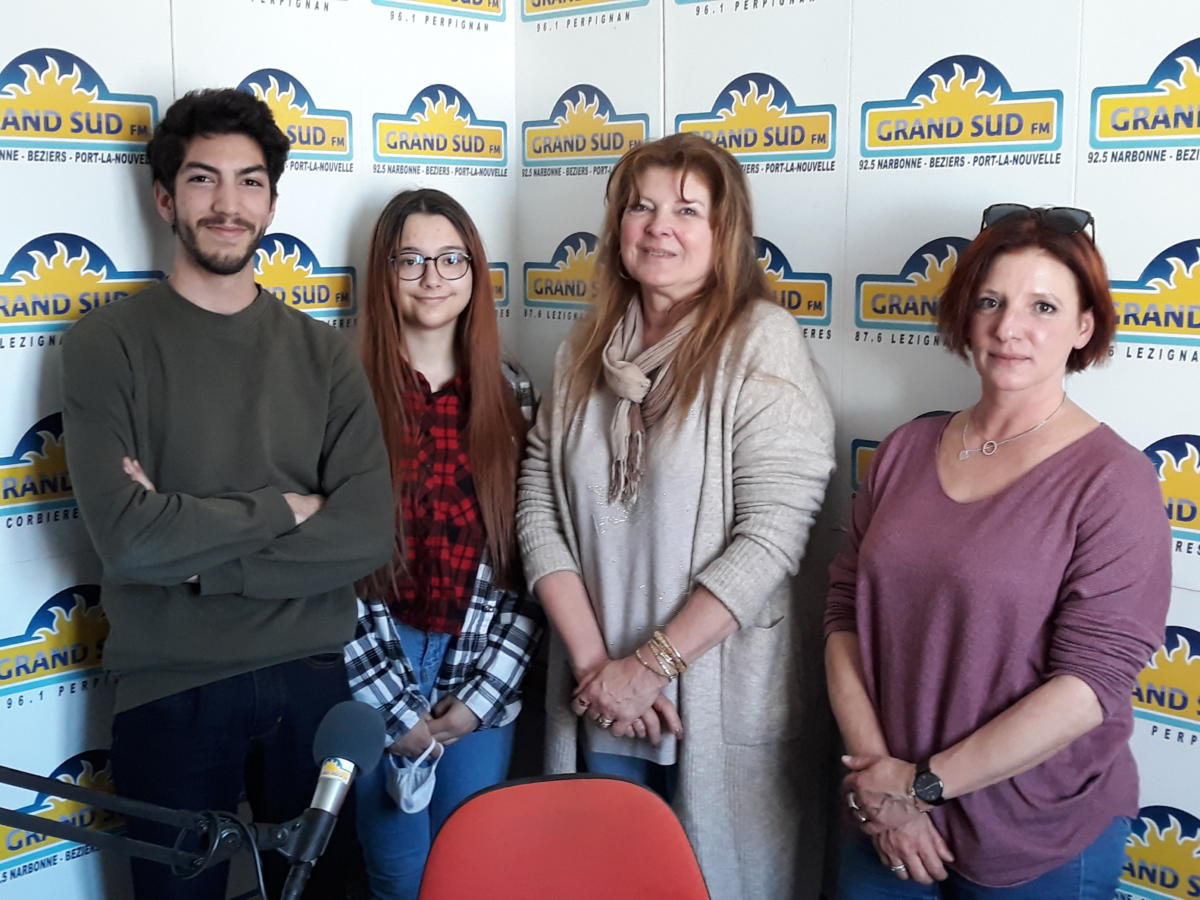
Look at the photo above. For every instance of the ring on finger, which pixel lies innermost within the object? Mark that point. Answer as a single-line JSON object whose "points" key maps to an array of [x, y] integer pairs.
{"points": [[852, 801], [604, 721], [900, 868]]}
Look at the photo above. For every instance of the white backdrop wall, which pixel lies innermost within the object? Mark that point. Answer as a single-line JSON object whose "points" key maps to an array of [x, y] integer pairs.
{"points": [[873, 133]]}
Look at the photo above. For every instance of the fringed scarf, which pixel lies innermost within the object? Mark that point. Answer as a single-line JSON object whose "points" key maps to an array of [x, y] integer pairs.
{"points": [[645, 388]]}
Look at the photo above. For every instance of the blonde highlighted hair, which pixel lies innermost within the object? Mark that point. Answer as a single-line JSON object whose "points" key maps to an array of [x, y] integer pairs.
{"points": [[735, 281]]}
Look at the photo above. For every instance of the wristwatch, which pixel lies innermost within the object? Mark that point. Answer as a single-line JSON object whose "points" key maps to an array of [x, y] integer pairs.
{"points": [[926, 786]]}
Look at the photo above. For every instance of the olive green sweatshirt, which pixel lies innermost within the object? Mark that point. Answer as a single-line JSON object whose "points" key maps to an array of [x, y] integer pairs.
{"points": [[225, 414]]}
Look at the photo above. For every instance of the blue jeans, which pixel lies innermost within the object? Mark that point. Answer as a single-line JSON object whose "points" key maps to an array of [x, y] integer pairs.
{"points": [[396, 844], [659, 778], [1092, 875], [199, 749]]}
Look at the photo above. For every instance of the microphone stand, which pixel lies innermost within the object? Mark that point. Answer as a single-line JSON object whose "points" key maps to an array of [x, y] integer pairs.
{"points": [[222, 834]]}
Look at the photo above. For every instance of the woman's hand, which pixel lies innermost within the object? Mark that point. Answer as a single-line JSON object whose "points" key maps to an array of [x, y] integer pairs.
{"points": [[415, 742], [451, 720], [917, 846], [621, 690], [880, 786]]}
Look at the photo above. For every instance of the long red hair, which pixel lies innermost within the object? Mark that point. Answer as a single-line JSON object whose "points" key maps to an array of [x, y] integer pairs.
{"points": [[495, 425]]}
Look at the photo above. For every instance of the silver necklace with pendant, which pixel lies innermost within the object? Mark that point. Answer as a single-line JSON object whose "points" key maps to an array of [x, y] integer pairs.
{"points": [[988, 448]]}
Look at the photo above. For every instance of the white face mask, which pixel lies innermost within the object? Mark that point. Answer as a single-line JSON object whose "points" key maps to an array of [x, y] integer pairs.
{"points": [[410, 781]]}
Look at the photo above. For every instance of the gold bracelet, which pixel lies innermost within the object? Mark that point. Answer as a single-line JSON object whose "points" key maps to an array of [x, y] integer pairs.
{"points": [[638, 654], [664, 661], [665, 642]]}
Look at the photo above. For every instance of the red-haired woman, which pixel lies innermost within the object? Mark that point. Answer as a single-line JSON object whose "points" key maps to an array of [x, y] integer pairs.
{"points": [[665, 500], [1006, 578], [444, 634]]}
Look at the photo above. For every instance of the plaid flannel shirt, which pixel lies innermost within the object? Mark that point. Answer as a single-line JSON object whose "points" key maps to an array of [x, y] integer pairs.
{"points": [[484, 664]]}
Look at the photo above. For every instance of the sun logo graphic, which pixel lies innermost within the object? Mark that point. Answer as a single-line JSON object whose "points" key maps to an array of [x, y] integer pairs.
{"points": [[1168, 689], [35, 478], [63, 641], [23, 848], [962, 104], [286, 267], [1177, 461], [804, 294], [1163, 305], [440, 127], [52, 98], [568, 280], [583, 128], [498, 271], [55, 278], [908, 301], [1163, 112], [475, 9], [755, 118], [315, 133], [1162, 854]]}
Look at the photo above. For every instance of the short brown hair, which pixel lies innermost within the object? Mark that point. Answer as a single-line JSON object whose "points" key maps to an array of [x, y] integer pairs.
{"points": [[1075, 251]]}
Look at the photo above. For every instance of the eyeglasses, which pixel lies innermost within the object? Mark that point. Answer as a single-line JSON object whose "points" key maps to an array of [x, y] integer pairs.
{"points": [[451, 265], [1063, 219]]}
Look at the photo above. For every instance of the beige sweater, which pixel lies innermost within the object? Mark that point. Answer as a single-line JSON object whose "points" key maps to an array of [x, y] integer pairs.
{"points": [[752, 792]]}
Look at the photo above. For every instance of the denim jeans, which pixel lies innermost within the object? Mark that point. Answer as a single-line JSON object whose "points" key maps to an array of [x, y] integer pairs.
{"points": [[396, 844], [1092, 875], [201, 748], [659, 778]]}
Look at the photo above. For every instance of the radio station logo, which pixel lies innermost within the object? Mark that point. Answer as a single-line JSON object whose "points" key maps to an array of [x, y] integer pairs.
{"points": [[909, 300], [315, 133], [535, 10], [56, 278], [286, 267], [1168, 689], [475, 9], [63, 641], [962, 104], [24, 852], [583, 128], [1162, 854], [1163, 305], [567, 281], [52, 98], [862, 454], [440, 127], [1177, 461], [804, 294], [755, 118], [35, 478], [499, 274], [1163, 112]]}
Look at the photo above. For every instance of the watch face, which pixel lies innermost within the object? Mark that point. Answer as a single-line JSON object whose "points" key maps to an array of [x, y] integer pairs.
{"points": [[928, 787]]}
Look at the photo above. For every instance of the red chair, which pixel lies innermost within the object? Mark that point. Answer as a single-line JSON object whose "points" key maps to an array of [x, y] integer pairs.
{"points": [[565, 837]]}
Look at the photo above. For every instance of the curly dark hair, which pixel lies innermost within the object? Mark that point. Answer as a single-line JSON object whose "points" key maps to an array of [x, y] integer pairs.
{"points": [[215, 111]]}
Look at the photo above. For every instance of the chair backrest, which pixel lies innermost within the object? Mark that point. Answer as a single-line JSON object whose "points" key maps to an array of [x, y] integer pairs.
{"points": [[571, 837]]}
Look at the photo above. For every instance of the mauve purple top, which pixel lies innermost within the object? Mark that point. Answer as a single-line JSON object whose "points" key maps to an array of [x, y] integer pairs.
{"points": [[961, 609]]}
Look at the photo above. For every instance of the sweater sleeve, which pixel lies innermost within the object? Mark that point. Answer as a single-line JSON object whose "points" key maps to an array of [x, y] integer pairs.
{"points": [[145, 536], [353, 533], [782, 456], [840, 605], [1113, 604], [543, 543]]}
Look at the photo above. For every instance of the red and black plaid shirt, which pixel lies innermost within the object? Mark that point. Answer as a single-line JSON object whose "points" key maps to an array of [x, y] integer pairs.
{"points": [[443, 531]]}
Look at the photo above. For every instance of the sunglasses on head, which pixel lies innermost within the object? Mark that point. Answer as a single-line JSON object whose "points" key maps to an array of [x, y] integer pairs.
{"points": [[1063, 219]]}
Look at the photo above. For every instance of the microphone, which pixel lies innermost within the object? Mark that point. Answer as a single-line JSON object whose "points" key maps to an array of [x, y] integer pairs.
{"points": [[349, 741]]}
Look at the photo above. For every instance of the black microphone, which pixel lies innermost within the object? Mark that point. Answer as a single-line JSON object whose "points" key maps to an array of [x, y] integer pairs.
{"points": [[349, 741]]}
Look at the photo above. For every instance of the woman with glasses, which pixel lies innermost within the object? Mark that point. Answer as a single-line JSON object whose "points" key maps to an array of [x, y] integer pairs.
{"points": [[665, 500], [1006, 578], [444, 632]]}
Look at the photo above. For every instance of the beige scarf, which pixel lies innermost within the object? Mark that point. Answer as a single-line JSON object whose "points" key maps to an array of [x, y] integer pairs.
{"points": [[642, 400]]}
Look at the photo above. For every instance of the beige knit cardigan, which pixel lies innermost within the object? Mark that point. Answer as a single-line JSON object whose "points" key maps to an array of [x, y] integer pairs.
{"points": [[752, 791]]}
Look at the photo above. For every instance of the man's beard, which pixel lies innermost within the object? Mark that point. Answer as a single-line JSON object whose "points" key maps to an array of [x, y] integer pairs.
{"points": [[211, 262]]}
